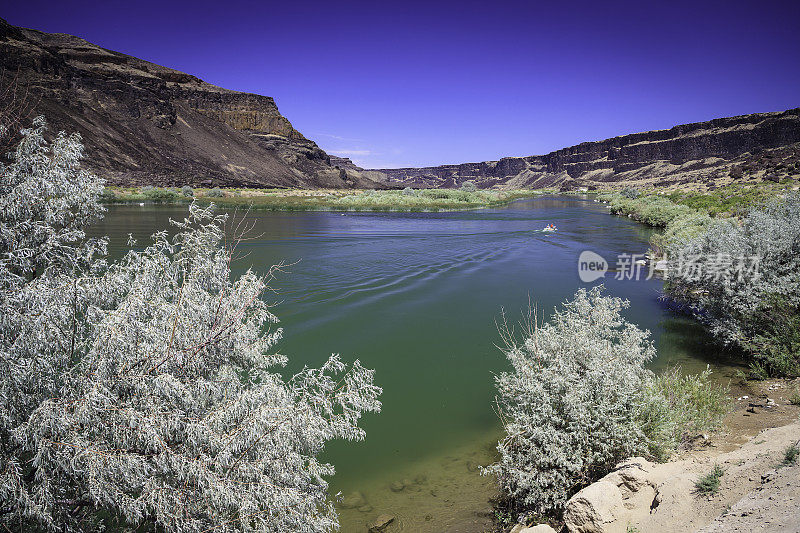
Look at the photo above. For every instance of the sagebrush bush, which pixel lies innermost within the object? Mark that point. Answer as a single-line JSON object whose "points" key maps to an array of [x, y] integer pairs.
{"points": [[758, 310], [571, 407], [216, 192], [143, 393], [469, 186], [187, 191], [408, 191], [579, 400]]}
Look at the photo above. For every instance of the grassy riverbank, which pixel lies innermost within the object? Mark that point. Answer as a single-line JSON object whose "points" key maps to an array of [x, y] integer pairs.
{"points": [[685, 215], [731, 260], [323, 199]]}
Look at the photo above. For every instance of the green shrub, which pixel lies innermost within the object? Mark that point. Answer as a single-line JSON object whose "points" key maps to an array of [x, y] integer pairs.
{"points": [[215, 193], [790, 455], [678, 407], [160, 195], [408, 191], [187, 191], [107, 195], [630, 192], [709, 484], [680, 231], [794, 399], [469, 186], [652, 210]]}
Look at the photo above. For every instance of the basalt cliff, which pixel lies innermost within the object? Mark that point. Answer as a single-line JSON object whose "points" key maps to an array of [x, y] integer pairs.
{"points": [[702, 155], [143, 123]]}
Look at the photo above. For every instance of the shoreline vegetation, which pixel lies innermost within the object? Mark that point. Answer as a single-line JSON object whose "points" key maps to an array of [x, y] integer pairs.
{"points": [[578, 400], [684, 215], [131, 354], [405, 200], [754, 224], [561, 380]]}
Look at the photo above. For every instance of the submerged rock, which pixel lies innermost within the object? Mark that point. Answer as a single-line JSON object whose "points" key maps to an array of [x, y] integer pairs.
{"points": [[381, 523], [397, 486], [353, 500]]}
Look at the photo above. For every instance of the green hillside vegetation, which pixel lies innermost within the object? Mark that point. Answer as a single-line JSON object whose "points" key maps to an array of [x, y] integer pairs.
{"points": [[324, 200]]}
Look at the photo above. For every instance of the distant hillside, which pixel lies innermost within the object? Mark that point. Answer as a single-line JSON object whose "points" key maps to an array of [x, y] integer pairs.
{"points": [[147, 124], [700, 155]]}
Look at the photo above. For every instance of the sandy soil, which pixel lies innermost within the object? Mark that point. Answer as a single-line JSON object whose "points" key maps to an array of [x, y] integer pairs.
{"points": [[757, 491], [749, 446]]}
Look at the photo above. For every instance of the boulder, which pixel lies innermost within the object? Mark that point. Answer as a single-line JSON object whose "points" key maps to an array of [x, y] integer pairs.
{"points": [[381, 523], [595, 509], [539, 528], [610, 505], [353, 500]]}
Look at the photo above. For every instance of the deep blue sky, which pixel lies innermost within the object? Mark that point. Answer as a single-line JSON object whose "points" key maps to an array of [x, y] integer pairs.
{"points": [[423, 83]]}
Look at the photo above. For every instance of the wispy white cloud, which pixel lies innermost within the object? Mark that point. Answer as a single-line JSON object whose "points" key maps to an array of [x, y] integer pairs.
{"points": [[337, 137], [351, 152]]}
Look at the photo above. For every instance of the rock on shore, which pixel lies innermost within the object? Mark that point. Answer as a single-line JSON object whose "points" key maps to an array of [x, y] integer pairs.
{"points": [[755, 493]]}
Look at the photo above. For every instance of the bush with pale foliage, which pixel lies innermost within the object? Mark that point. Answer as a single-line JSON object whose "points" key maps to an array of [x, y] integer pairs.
{"points": [[743, 280], [578, 400], [145, 390]]}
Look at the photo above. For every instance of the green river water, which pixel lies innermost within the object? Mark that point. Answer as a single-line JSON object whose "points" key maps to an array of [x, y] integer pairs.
{"points": [[416, 296]]}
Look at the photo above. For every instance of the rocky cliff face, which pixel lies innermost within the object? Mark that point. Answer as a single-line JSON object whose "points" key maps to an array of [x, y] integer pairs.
{"points": [[703, 154], [147, 124]]}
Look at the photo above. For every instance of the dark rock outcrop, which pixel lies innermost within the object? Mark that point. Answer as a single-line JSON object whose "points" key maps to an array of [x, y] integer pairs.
{"points": [[147, 124], [703, 153]]}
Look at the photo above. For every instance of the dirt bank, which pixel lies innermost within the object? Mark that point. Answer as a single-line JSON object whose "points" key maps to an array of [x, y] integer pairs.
{"points": [[756, 492]]}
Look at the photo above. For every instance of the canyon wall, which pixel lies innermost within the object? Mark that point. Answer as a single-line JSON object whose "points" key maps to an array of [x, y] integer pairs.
{"points": [[143, 123], [756, 146]]}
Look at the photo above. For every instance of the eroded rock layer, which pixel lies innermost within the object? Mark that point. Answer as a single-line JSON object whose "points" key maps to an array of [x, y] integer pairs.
{"points": [[147, 124], [703, 154]]}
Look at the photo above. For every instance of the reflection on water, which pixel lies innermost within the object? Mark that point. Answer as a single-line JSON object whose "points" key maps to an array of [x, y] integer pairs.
{"points": [[415, 296]]}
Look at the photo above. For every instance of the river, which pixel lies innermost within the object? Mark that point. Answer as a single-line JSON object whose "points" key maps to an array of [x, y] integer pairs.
{"points": [[416, 296]]}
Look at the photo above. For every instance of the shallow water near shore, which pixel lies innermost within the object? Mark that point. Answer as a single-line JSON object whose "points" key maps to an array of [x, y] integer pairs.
{"points": [[416, 296]]}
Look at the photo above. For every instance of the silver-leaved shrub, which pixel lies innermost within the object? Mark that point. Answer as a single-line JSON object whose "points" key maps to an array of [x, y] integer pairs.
{"points": [[145, 390], [572, 406], [578, 400], [743, 280]]}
